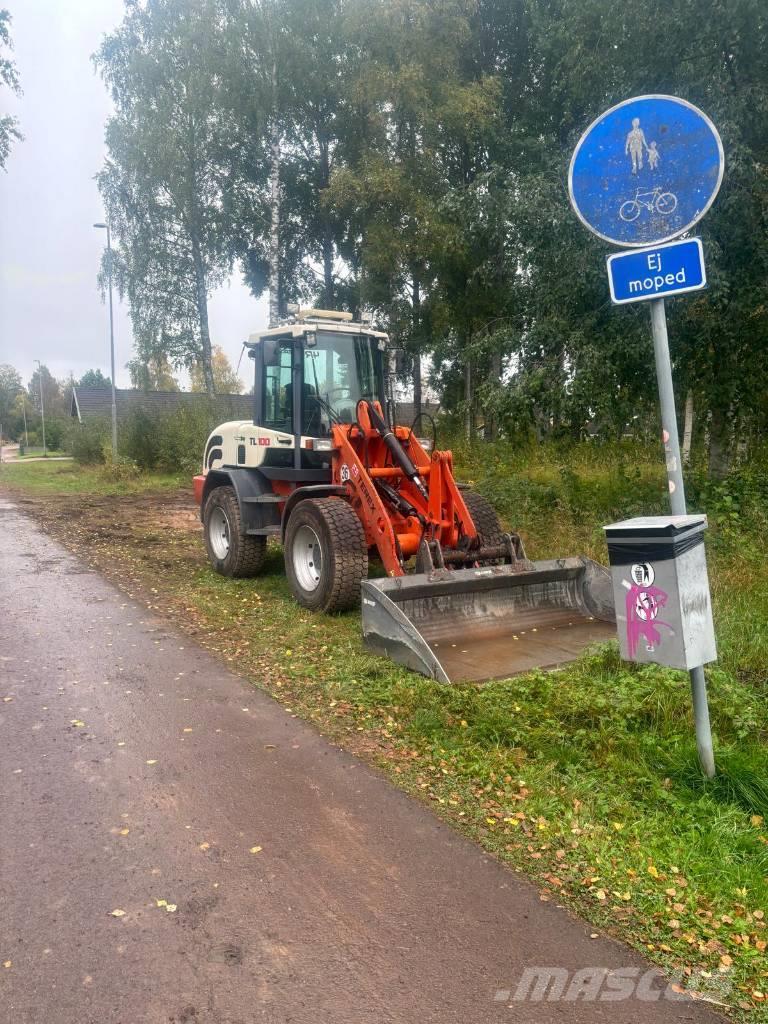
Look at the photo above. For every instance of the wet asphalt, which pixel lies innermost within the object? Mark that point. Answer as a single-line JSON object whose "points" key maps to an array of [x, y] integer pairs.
{"points": [[176, 848]]}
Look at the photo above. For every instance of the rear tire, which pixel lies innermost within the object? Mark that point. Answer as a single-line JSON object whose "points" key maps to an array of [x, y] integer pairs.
{"points": [[489, 531], [326, 555], [231, 551], [485, 518]]}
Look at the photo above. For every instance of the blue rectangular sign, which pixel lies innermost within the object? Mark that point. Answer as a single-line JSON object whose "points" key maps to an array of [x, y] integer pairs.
{"points": [[659, 270]]}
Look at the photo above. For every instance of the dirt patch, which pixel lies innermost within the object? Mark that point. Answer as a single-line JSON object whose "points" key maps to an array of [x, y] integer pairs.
{"points": [[128, 537], [115, 515]]}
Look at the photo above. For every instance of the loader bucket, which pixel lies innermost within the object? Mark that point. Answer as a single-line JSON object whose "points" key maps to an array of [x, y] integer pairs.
{"points": [[489, 623]]}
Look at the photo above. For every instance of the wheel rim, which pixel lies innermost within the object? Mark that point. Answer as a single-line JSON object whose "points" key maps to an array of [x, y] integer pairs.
{"points": [[307, 557], [218, 533]]}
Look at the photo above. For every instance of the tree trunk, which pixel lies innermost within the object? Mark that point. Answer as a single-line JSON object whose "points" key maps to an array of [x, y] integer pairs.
{"points": [[274, 200], [469, 417], [201, 298], [719, 445], [329, 298], [416, 334], [491, 419], [688, 428]]}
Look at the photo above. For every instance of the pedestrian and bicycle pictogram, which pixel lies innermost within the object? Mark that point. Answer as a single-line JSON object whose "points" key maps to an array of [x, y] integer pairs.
{"points": [[646, 170]]}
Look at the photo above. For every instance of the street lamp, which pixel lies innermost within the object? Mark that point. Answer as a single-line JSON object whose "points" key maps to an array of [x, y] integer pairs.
{"points": [[105, 227], [42, 403]]}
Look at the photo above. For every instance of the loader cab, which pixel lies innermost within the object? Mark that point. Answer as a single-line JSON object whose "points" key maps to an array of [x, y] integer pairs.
{"points": [[311, 374]]}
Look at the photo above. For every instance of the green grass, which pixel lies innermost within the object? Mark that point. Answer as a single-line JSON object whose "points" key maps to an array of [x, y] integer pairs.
{"points": [[70, 478], [585, 779], [39, 455]]}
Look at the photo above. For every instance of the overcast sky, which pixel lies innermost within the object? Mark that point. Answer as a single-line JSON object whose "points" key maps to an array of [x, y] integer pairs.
{"points": [[50, 307]]}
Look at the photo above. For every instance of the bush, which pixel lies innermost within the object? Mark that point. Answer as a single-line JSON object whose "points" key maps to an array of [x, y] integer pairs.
{"points": [[55, 434], [138, 438], [171, 442], [89, 442], [118, 470]]}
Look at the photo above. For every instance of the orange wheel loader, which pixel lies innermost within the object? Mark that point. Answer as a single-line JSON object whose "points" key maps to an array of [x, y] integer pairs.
{"points": [[323, 468]]}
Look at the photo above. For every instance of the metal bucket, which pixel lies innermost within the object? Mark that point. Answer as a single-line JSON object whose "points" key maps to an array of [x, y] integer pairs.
{"points": [[489, 623]]}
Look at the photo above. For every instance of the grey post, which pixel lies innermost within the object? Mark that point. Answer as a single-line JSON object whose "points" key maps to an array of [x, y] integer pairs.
{"points": [[111, 337], [678, 508], [42, 403]]}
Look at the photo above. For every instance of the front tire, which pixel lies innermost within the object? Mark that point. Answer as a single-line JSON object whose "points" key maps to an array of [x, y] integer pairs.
{"points": [[326, 555], [230, 550]]}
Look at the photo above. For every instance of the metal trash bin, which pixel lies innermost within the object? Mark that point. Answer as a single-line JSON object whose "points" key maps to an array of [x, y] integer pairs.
{"points": [[661, 590]]}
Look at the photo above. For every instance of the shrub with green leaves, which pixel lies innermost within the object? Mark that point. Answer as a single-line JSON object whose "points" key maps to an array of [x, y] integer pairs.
{"points": [[89, 440]]}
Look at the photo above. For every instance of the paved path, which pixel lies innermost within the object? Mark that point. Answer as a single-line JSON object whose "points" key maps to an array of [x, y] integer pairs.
{"points": [[359, 908], [10, 453]]}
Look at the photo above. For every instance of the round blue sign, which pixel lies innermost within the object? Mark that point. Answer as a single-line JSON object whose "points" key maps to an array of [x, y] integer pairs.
{"points": [[646, 170]]}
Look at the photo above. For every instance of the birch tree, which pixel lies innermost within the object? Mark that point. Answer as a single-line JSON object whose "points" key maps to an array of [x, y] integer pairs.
{"points": [[171, 163], [9, 126]]}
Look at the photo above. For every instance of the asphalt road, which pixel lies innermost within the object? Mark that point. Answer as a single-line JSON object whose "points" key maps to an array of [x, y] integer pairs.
{"points": [[299, 886]]}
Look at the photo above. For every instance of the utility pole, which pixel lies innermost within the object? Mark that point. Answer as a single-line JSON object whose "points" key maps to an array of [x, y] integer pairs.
{"points": [[42, 401], [111, 336]]}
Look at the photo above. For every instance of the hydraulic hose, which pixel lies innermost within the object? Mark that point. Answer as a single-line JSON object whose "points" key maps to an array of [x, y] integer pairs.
{"points": [[399, 454], [403, 506]]}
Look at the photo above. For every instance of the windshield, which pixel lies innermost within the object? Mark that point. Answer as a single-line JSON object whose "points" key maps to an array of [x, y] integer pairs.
{"points": [[338, 371]]}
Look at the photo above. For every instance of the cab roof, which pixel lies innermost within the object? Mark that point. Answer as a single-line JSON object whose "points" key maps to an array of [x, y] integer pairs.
{"points": [[308, 321]]}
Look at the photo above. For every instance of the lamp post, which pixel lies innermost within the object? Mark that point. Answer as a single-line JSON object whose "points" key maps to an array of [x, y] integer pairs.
{"points": [[42, 402], [105, 227]]}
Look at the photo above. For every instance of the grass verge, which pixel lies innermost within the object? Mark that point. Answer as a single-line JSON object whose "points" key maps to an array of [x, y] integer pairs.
{"points": [[586, 779]]}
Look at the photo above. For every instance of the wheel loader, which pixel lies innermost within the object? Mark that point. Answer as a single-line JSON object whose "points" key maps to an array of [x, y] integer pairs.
{"points": [[323, 468]]}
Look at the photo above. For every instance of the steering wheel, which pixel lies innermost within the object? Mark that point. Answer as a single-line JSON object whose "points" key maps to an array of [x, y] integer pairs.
{"points": [[331, 392]]}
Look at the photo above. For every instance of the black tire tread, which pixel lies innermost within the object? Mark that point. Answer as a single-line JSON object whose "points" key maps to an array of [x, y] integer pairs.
{"points": [[348, 552], [247, 553], [485, 518]]}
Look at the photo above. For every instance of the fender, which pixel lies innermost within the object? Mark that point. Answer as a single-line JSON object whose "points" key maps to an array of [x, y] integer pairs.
{"points": [[247, 483], [301, 493]]}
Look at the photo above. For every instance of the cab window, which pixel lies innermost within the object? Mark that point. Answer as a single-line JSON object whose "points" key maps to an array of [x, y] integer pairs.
{"points": [[339, 370], [278, 387]]}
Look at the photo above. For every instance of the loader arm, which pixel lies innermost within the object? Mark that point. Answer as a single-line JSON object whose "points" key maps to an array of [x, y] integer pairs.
{"points": [[402, 496]]}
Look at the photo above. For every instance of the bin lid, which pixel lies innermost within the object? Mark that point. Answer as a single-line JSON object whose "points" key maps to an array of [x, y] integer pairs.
{"points": [[658, 528]]}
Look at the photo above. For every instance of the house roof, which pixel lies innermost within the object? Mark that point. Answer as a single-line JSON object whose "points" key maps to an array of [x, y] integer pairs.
{"points": [[405, 414], [87, 403]]}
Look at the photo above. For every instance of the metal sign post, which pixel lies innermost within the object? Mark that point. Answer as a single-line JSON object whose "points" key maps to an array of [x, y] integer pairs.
{"points": [[678, 508], [642, 174]]}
